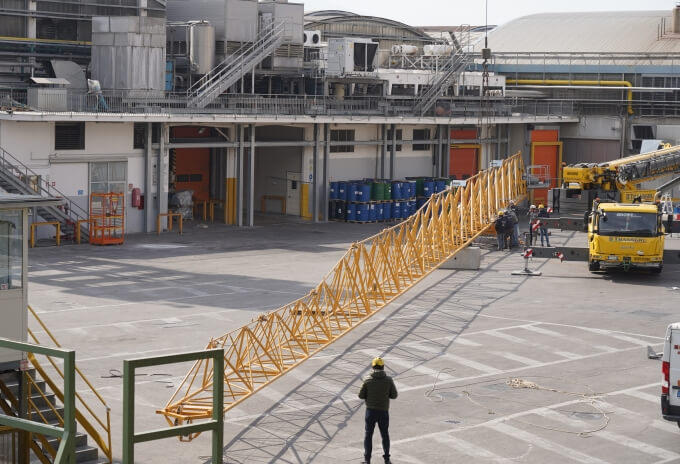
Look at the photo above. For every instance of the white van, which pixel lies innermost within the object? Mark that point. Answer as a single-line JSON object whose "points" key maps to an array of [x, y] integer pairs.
{"points": [[670, 387]]}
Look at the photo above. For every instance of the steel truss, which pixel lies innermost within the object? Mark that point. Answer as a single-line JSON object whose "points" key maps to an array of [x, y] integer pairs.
{"points": [[370, 275]]}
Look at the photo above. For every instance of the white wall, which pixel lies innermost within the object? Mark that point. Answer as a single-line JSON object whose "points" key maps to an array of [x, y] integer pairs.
{"points": [[67, 170]]}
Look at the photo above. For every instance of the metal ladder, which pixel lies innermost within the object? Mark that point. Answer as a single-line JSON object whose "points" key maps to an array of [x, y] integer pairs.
{"points": [[15, 177], [440, 81], [235, 66]]}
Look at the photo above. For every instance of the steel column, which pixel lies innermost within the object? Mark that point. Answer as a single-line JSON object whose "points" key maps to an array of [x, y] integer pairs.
{"points": [[251, 178], [239, 175], [326, 195], [393, 149], [315, 182]]}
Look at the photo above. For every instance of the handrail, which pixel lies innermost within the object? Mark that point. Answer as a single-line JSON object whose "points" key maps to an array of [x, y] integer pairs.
{"points": [[43, 185], [370, 275], [91, 429]]}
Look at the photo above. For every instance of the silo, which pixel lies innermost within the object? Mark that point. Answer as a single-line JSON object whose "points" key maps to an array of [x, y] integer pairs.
{"points": [[128, 52], [201, 47]]}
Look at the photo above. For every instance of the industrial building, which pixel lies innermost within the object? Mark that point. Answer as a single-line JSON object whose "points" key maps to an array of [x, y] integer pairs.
{"points": [[252, 103], [109, 110]]}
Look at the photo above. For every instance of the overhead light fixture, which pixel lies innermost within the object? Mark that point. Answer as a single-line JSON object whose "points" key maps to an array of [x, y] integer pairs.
{"points": [[201, 130]]}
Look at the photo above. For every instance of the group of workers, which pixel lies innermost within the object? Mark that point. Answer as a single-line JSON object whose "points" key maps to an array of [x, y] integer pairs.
{"points": [[507, 226]]}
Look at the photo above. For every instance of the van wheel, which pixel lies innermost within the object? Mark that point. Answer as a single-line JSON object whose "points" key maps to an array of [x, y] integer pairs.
{"points": [[593, 266], [657, 270], [678, 424]]}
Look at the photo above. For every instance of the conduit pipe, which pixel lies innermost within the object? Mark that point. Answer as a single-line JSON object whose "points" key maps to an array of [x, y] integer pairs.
{"points": [[567, 82]]}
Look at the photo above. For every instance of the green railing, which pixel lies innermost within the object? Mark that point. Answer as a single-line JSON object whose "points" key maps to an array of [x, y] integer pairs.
{"points": [[216, 424], [67, 433]]}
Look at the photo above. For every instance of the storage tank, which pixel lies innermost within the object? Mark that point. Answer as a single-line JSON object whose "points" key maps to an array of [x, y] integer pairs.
{"points": [[437, 50], [404, 50], [201, 47], [676, 19]]}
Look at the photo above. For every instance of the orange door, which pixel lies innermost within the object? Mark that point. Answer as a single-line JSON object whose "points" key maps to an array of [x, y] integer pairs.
{"points": [[192, 165], [463, 158], [545, 155]]}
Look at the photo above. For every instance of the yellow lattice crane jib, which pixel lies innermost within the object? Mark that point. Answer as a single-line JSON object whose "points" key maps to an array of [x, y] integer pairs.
{"points": [[371, 274]]}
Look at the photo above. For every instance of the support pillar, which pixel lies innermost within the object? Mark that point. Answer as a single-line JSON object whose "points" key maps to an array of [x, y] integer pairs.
{"points": [[239, 177], [447, 152], [163, 165], [383, 150], [326, 169], [149, 218], [315, 170], [251, 179], [393, 149]]}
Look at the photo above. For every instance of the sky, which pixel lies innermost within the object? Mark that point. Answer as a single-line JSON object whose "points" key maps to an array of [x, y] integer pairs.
{"points": [[457, 12]]}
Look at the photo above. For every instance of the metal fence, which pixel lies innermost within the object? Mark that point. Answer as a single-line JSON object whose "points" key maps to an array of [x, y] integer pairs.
{"points": [[161, 103]]}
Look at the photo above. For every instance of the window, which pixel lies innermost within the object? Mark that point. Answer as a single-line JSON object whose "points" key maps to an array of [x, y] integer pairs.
{"points": [[389, 139], [421, 134], [139, 135], [69, 136], [342, 136], [108, 177], [11, 249]]}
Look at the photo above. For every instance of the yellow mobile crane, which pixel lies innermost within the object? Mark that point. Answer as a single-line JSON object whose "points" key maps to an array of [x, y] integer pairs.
{"points": [[622, 175], [624, 224]]}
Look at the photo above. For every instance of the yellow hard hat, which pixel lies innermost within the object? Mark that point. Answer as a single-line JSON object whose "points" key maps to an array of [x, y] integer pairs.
{"points": [[501, 213], [378, 362], [541, 206]]}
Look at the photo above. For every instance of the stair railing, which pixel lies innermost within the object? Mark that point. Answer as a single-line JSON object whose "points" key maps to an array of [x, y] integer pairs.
{"points": [[10, 410], [235, 61], [19, 170], [96, 427]]}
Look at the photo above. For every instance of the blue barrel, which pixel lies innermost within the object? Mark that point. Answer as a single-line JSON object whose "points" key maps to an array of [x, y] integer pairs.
{"points": [[351, 192], [387, 211], [413, 208], [340, 213], [372, 212], [379, 211], [334, 191], [362, 211], [396, 209], [411, 189], [428, 187], [351, 212], [439, 185], [420, 202], [364, 192], [341, 193], [397, 193]]}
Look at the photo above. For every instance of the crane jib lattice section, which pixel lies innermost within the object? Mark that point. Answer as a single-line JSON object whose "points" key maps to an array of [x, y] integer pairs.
{"points": [[371, 274]]}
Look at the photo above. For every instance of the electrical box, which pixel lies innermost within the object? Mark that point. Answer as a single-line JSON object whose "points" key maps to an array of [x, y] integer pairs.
{"points": [[349, 55]]}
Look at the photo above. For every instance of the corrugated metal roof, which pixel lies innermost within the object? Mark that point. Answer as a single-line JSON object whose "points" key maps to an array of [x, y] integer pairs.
{"points": [[592, 32]]}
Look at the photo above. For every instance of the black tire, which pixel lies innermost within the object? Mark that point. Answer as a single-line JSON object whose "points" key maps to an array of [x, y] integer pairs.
{"points": [[657, 270], [678, 424], [593, 266]]}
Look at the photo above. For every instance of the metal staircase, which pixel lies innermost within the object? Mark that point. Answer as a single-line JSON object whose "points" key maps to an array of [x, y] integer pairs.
{"points": [[235, 66], [15, 177], [42, 407], [440, 81]]}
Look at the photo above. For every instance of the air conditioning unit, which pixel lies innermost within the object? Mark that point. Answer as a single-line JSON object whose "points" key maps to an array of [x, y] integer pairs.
{"points": [[312, 38]]}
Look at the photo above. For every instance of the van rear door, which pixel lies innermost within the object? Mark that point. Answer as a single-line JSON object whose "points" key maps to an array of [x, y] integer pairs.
{"points": [[674, 368]]}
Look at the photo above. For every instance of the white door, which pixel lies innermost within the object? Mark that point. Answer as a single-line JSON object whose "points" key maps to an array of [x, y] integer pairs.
{"points": [[293, 192]]}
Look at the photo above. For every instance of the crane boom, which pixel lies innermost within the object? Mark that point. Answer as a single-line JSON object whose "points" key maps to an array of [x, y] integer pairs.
{"points": [[624, 173]]}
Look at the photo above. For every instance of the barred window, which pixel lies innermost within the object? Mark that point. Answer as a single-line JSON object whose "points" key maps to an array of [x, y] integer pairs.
{"points": [[421, 134]]}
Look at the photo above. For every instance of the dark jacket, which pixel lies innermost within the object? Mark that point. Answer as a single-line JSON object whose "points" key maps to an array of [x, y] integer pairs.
{"points": [[543, 212], [377, 391], [501, 225]]}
